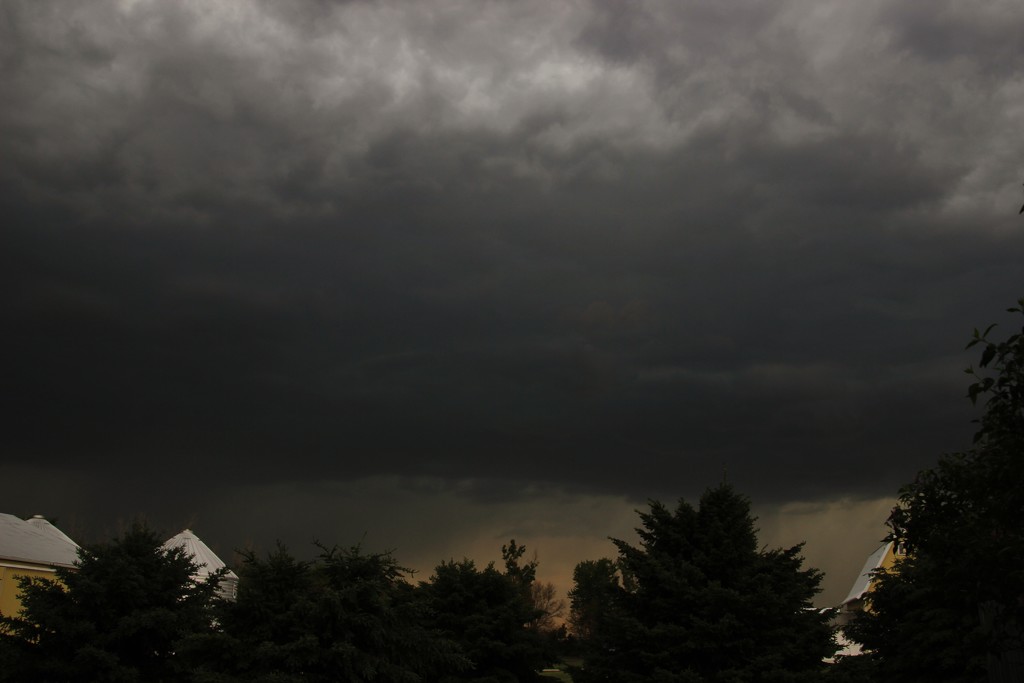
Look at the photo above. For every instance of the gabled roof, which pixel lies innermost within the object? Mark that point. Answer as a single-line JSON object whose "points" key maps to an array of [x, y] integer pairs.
{"points": [[201, 554], [35, 542], [863, 582]]}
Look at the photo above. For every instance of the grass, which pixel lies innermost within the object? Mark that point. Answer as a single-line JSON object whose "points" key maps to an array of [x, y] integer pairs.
{"points": [[558, 672]]}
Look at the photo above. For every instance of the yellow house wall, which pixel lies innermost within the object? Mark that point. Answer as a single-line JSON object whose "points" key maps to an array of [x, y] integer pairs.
{"points": [[10, 593], [887, 563], [890, 558]]}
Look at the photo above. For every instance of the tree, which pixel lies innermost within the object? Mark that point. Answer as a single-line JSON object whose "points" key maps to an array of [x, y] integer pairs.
{"points": [[491, 615], [594, 595], [385, 637], [953, 608], [697, 601], [547, 605], [118, 616], [348, 616], [266, 634]]}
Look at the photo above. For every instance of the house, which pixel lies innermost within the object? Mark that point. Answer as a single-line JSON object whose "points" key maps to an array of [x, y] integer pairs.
{"points": [[207, 560], [33, 548], [883, 558]]}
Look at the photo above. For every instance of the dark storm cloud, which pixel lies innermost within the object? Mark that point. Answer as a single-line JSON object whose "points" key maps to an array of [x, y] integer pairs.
{"points": [[980, 35], [611, 247]]}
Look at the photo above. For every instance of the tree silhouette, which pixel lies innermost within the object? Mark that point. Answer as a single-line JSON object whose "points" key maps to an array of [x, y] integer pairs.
{"points": [[697, 601]]}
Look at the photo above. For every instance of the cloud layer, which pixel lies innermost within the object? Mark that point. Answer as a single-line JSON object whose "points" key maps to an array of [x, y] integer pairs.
{"points": [[600, 248]]}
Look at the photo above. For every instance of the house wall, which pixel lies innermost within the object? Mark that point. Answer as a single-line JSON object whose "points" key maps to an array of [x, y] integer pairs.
{"points": [[849, 609], [887, 562], [890, 558], [10, 593]]}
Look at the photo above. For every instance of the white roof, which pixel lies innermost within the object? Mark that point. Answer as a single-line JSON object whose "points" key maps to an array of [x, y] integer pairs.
{"points": [[863, 582], [35, 541], [201, 554], [42, 524]]}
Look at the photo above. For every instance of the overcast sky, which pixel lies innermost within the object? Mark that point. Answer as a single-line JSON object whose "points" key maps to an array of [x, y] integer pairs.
{"points": [[431, 274]]}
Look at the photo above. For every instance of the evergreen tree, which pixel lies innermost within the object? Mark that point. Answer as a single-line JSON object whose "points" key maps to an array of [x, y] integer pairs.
{"points": [[118, 616], [491, 615], [697, 601], [596, 603], [347, 616]]}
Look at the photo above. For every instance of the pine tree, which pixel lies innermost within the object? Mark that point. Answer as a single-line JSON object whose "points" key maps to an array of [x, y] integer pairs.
{"points": [[491, 615], [346, 616], [697, 601], [118, 616]]}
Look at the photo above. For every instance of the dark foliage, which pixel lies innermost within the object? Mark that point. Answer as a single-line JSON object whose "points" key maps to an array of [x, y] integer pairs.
{"points": [[348, 616], [117, 617], [593, 598], [697, 601], [491, 615], [953, 609], [132, 611]]}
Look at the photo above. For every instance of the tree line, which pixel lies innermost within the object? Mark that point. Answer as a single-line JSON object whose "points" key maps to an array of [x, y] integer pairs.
{"points": [[134, 610], [695, 600]]}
